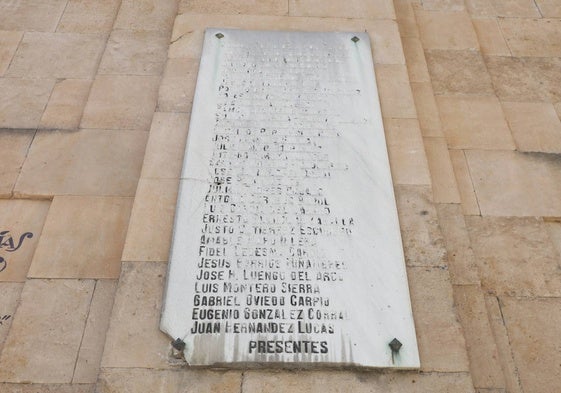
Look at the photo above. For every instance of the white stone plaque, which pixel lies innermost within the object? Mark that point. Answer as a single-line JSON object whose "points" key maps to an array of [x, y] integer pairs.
{"points": [[286, 247]]}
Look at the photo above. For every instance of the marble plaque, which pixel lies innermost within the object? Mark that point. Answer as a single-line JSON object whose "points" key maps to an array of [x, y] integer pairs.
{"points": [[286, 247]]}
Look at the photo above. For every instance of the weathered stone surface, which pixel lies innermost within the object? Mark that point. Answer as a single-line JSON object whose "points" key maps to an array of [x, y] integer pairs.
{"points": [[91, 347], [444, 187], [14, 145], [375, 9], [525, 79], [422, 239], [130, 52], [461, 260], [260, 7], [458, 72], [446, 30], [82, 238], [22, 101], [504, 246], [470, 205], [484, 362], [406, 152], [348, 381], [121, 102], [84, 162], [135, 319], [509, 183], [56, 55], [19, 217], [145, 15], [474, 122], [139, 380], [31, 15], [151, 222], [441, 340], [46, 332], [8, 304], [9, 41], [45, 388], [66, 104], [84, 16], [533, 329]]}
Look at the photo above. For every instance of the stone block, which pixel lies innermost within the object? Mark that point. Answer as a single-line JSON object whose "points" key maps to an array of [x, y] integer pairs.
{"points": [[66, 104], [168, 381], [535, 126], [446, 30], [91, 347], [375, 9], [56, 55], [516, 256], [31, 15], [145, 15], [422, 240], [526, 79], [509, 183], [458, 72], [22, 220], [14, 145], [22, 101], [461, 259], [83, 237], [165, 149], [259, 7], [470, 206], [483, 354], [490, 37], [515, 8], [121, 102], [8, 304], [134, 338], [444, 187], [396, 98], [474, 122], [84, 16], [151, 223], [46, 332], [85, 162], [533, 329], [356, 382], [134, 53], [9, 41], [441, 341], [406, 152]]}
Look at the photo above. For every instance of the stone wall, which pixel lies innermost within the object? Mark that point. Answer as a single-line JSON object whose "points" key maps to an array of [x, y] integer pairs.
{"points": [[94, 106]]}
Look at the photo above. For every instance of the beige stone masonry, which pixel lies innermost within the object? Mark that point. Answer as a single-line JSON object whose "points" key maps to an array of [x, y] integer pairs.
{"points": [[470, 205], [9, 41], [31, 15], [422, 239], [46, 332], [64, 109], [509, 183], [23, 101], [151, 222], [141, 380], [356, 382], [121, 102], [163, 158], [85, 16], [474, 122], [20, 217], [8, 305], [14, 145], [406, 152], [444, 187], [82, 238], [134, 339], [535, 126], [504, 246], [84, 162], [56, 55], [461, 259], [533, 330]]}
